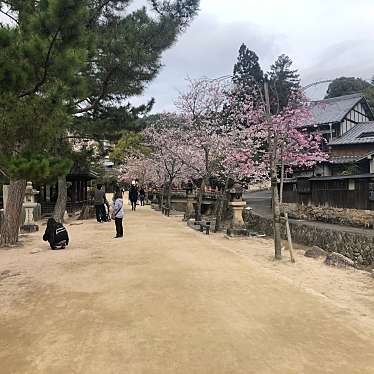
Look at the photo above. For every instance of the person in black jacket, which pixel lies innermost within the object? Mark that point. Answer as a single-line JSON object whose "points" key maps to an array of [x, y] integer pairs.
{"points": [[141, 196], [56, 234], [133, 195]]}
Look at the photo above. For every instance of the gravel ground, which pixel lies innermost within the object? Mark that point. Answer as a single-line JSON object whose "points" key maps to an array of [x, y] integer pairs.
{"points": [[167, 299]]}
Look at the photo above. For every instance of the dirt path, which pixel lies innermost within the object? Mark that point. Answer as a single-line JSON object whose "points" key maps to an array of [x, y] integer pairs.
{"points": [[166, 299]]}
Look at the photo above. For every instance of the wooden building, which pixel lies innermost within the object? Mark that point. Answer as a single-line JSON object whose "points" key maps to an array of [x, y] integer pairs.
{"points": [[334, 117], [346, 180], [78, 180]]}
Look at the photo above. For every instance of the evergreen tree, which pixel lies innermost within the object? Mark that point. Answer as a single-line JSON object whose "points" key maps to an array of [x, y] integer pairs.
{"points": [[41, 51], [351, 85], [248, 79], [283, 83], [346, 86], [247, 70], [60, 58]]}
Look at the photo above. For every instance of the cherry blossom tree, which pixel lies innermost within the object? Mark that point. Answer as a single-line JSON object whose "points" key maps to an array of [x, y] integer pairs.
{"points": [[270, 141], [165, 138], [206, 137]]}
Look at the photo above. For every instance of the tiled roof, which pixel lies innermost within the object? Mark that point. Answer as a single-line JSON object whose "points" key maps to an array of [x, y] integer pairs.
{"points": [[356, 135], [344, 160], [333, 110]]}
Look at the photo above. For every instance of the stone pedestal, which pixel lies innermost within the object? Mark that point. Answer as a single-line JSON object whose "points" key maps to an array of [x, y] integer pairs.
{"points": [[237, 226], [190, 210]]}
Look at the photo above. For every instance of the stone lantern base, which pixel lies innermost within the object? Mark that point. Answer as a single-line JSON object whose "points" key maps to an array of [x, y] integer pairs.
{"points": [[29, 228], [190, 210], [237, 226]]}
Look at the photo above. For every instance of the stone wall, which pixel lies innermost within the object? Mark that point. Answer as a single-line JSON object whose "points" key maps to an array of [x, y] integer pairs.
{"points": [[356, 245], [340, 216]]}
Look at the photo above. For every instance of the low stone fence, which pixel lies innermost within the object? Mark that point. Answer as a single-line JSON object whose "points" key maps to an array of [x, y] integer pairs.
{"points": [[358, 245]]}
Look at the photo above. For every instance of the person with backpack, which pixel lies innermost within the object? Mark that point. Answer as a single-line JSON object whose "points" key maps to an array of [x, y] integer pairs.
{"points": [[56, 234], [133, 195], [117, 214]]}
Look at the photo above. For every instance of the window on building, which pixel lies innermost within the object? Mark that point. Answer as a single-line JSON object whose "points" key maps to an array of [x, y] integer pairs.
{"points": [[369, 134]]}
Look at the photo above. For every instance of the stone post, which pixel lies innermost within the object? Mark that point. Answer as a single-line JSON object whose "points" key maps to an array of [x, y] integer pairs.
{"points": [[5, 194], [237, 226], [190, 209], [29, 206], [154, 203]]}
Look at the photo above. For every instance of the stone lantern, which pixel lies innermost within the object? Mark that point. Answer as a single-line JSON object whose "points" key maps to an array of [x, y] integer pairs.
{"points": [[29, 205], [190, 209], [237, 226]]}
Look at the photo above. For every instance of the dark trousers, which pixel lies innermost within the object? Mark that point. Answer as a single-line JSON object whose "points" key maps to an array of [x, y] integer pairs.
{"points": [[119, 227], [142, 200], [100, 213], [133, 205]]}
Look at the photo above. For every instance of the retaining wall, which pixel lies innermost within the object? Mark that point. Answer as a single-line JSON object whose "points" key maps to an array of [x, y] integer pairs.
{"points": [[355, 244]]}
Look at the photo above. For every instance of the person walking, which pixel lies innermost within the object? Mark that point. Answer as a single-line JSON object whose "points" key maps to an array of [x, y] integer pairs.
{"points": [[141, 196], [118, 214], [100, 201], [133, 195]]}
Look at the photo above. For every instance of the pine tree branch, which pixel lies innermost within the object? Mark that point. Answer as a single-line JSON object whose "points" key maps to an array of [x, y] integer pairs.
{"points": [[9, 16], [45, 67], [102, 95], [4, 173], [98, 10]]}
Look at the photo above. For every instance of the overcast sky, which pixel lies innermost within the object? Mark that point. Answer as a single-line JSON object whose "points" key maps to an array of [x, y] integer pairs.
{"points": [[325, 39]]}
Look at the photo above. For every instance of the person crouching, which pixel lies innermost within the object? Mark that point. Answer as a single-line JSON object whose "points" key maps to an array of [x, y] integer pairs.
{"points": [[56, 234]]}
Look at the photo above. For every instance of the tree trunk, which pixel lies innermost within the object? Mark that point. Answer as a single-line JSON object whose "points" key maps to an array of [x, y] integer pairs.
{"points": [[12, 215], [162, 196], [221, 205], [168, 196], [276, 215], [60, 207], [273, 175], [200, 200]]}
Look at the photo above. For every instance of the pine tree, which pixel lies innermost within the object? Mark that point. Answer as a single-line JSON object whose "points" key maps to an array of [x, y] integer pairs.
{"points": [[283, 83], [41, 54], [63, 57], [247, 70]]}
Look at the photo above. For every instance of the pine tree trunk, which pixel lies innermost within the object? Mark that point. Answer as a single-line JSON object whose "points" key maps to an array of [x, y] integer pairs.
{"points": [[12, 215], [60, 207]]}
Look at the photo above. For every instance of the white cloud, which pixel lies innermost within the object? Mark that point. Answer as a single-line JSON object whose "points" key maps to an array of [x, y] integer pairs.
{"points": [[325, 39]]}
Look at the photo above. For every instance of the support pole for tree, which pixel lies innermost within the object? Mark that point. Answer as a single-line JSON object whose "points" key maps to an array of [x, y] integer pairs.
{"points": [[281, 181], [289, 238]]}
